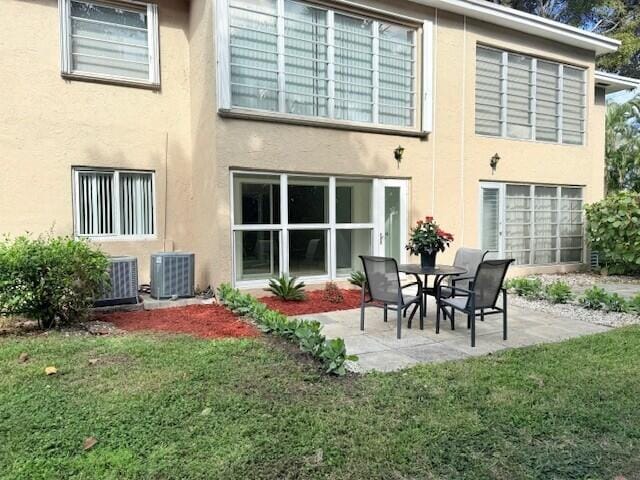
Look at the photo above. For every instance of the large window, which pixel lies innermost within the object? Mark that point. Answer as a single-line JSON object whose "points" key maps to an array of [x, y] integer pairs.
{"points": [[110, 40], [305, 226], [111, 203], [301, 59], [534, 224], [528, 98]]}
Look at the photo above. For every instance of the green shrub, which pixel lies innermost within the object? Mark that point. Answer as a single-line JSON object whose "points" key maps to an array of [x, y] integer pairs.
{"points": [[332, 293], [307, 333], [615, 303], [50, 279], [593, 298], [357, 278], [525, 287], [558, 292], [613, 229], [287, 288], [633, 304]]}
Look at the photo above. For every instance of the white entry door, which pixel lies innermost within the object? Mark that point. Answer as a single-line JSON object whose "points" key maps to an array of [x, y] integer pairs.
{"points": [[491, 221], [390, 210]]}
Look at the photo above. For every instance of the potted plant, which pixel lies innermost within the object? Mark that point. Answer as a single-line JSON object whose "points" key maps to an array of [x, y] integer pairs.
{"points": [[426, 240]]}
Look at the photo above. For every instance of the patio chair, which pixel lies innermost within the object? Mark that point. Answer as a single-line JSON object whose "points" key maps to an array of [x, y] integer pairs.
{"points": [[385, 290], [482, 295]]}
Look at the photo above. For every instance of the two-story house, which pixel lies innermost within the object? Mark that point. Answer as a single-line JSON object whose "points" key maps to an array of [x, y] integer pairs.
{"points": [[263, 135]]}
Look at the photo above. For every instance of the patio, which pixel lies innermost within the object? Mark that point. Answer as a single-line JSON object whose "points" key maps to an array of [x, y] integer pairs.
{"points": [[378, 349]]}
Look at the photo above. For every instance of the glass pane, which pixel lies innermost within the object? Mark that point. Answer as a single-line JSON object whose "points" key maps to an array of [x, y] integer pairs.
{"points": [[349, 245], [353, 201], [307, 252], [308, 200], [109, 40], [136, 204], [573, 255], [257, 255], [95, 202], [490, 219], [392, 220], [256, 199], [395, 80]]}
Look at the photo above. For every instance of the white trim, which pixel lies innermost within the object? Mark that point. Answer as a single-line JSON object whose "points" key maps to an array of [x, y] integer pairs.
{"points": [[615, 83], [223, 54], [153, 48], [428, 82], [524, 22]]}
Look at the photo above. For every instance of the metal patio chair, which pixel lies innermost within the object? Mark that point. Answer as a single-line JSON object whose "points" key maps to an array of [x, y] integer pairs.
{"points": [[482, 295], [386, 291]]}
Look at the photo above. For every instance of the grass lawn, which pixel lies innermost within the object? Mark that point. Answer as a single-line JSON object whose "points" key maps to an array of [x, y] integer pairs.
{"points": [[564, 411]]}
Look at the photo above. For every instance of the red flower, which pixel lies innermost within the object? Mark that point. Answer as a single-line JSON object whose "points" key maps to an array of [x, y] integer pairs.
{"points": [[428, 219]]}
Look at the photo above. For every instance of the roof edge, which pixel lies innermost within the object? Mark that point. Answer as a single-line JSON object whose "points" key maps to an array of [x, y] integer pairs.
{"points": [[528, 23], [612, 82]]}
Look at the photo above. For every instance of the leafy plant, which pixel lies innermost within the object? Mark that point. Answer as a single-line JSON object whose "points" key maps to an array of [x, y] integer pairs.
{"points": [[558, 292], [428, 237], [613, 229], [633, 304], [307, 333], [50, 279], [357, 278], [525, 287], [287, 288], [332, 293], [615, 303], [593, 298]]}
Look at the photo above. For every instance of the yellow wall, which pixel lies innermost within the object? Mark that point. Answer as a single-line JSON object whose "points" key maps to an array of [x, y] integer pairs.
{"points": [[49, 124]]}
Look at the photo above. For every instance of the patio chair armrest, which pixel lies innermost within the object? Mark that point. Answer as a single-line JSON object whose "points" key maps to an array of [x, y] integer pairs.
{"points": [[418, 284], [455, 289], [457, 279]]}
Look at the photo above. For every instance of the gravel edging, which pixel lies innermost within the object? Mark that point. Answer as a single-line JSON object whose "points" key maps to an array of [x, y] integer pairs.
{"points": [[573, 310], [584, 279]]}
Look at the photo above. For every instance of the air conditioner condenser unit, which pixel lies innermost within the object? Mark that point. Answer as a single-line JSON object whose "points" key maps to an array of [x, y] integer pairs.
{"points": [[123, 273], [172, 275]]}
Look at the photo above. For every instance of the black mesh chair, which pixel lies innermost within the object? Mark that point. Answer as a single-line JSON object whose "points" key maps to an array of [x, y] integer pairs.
{"points": [[386, 291], [482, 295]]}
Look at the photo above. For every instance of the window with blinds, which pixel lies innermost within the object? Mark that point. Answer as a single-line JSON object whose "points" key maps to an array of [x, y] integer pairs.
{"points": [[296, 58], [115, 41], [542, 224], [523, 97], [114, 203]]}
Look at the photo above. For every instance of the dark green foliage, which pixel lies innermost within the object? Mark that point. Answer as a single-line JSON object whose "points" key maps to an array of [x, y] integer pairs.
{"points": [[357, 278], [307, 333], [613, 229], [596, 298], [558, 292], [615, 303], [287, 288], [525, 287], [50, 279]]}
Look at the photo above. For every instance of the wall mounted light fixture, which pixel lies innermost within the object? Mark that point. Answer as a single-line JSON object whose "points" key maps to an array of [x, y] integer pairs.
{"points": [[398, 152], [494, 163]]}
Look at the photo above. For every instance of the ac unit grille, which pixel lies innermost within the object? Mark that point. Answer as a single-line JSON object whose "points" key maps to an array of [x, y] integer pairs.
{"points": [[172, 275], [123, 273]]}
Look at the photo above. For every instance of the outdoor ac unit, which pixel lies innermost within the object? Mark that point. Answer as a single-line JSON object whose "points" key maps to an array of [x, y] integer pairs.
{"points": [[595, 260], [123, 272], [172, 275]]}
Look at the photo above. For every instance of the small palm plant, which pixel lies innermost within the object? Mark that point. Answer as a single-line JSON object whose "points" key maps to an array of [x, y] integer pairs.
{"points": [[287, 288], [357, 278]]}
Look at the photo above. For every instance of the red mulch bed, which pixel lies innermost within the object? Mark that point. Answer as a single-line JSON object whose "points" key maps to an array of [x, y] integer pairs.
{"points": [[207, 321], [314, 303]]}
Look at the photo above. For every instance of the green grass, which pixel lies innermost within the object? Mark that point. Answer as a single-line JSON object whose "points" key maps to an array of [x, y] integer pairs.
{"points": [[561, 411]]}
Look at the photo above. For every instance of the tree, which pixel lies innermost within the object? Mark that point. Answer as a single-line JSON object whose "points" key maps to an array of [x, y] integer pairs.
{"points": [[618, 19], [623, 146]]}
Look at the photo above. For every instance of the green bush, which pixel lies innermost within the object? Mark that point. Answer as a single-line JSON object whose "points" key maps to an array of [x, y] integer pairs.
{"points": [[525, 287], [50, 279], [615, 303], [308, 334], [633, 304], [287, 288], [558, 292], [357, 278], [613, 229], [597, 298], [593, 298]]}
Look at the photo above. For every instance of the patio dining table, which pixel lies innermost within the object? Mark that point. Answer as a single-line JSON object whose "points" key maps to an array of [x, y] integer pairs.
{"points": [[440, 272]]}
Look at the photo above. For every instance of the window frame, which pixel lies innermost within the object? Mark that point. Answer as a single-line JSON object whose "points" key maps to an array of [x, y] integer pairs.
{"points": [[504, 92], [283, 228], [502, 215], [153, 41], [76, 171], [422, 89]]}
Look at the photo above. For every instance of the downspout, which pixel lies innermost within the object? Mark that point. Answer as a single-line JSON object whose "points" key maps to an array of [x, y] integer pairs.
{"points": [[462, 126]]}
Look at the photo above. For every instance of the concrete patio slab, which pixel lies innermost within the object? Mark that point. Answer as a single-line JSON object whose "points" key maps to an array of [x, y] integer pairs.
{"points": [[379, 349]]}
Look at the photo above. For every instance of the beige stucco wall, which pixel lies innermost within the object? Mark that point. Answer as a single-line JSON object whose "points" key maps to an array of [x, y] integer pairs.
{"points": [[48, 124]]}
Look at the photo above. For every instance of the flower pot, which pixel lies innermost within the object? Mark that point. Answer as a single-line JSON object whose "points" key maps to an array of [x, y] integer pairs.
{"points": [[428, 259]]}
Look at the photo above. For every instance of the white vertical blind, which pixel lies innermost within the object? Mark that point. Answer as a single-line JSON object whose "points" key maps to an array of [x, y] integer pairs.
{"points": [[491, 219], [293, 57], [518, 220], [102, 197], [518, 96]]}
